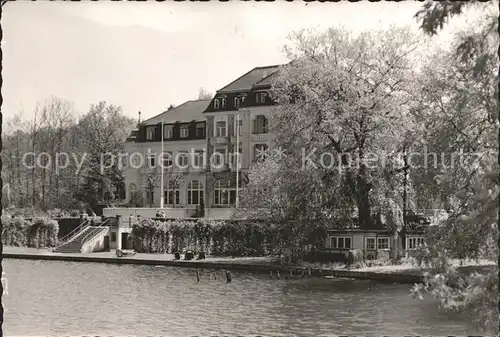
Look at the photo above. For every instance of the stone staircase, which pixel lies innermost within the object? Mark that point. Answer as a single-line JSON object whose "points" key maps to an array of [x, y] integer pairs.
{"points": [[75, 244]]}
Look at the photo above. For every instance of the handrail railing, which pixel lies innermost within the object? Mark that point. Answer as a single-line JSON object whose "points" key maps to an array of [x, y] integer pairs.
{"points": [[90, 232], [79, 228]]}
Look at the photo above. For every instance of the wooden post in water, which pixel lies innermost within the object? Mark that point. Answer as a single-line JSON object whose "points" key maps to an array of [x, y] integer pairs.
{"points": [[270, 274], [215, 276], [197, 276], [278, 274], [228, 277], [309, 271]]}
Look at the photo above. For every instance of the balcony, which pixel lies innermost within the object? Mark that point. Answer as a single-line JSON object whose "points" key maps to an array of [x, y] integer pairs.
{"points": [[219, 167], [219, 140], [182, 168], [199, 169], [150, 170], [259, 137]]}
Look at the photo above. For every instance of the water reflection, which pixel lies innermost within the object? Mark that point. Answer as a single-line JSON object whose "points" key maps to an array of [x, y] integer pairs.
{"points": [[79, 298]]}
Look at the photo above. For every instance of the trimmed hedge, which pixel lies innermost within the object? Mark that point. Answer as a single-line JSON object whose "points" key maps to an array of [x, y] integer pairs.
{"points": [[348, 257], [19, 232], [220, 238], [151, 236]]}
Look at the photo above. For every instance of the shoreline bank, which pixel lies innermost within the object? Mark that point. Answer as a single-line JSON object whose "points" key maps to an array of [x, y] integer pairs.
{"points": [[261, 265], [233, 266]]}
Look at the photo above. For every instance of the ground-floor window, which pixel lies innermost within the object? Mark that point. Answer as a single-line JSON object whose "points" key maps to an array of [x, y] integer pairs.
{"points": [[414, 242], [340, 242], [171, 194], [225, 192], [370, 243], [195, 192], [383, 243]]}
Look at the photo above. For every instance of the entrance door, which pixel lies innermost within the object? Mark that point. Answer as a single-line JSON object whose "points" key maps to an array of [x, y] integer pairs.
{"points": [[125, 244], [106, 243]]}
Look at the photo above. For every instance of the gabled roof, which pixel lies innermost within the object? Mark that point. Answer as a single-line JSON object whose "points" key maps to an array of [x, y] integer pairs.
{"points": [[186, 112], [248, 80]]}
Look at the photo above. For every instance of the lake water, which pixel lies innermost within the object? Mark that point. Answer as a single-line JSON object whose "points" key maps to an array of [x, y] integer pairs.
{"points": [[63, 298]]}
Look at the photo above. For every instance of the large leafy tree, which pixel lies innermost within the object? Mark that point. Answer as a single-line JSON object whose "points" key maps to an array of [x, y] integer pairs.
{"points": [[462, 104], [345, 111], [102, 133], [349, 96], [289, 198]]}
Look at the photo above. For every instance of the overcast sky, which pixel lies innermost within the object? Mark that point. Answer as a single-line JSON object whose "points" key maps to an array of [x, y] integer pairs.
{"points": [[145, 56]]}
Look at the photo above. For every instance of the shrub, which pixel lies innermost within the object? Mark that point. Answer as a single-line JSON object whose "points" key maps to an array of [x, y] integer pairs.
{"points": [[355, 256], [15, 231], [43, 233]]}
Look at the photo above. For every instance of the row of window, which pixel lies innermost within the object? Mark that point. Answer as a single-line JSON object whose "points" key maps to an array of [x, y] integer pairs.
{"points": [[382, 243], [181, 160], [345, 242], [168, 131], [414, 242], [260, 125], [220, 156], [195, 194], [372, 243], [260, 98], [224, 193]]}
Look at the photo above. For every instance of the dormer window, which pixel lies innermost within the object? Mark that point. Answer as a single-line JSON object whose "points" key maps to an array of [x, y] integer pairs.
{"points": [[236, 102], [167, 132], [261, 97], [216, 103], [223, 104], [184, 131], [200, 130], [150, 132]]}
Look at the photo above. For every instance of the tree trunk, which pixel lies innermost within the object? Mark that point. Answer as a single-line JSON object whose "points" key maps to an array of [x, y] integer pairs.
{"points": [[498, 162], [363, 199], [19, 181], [44, 197]]}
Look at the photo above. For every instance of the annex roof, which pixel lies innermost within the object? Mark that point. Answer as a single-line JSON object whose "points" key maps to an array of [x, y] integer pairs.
{"points": [[186, 112]]}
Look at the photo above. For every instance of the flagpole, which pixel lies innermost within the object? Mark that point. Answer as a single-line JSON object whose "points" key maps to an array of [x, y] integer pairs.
{"points": [[162, 187], [237, 158]]}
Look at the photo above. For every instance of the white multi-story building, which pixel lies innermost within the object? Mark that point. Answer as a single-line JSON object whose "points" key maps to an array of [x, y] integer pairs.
{"points": [[202, 141]]}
